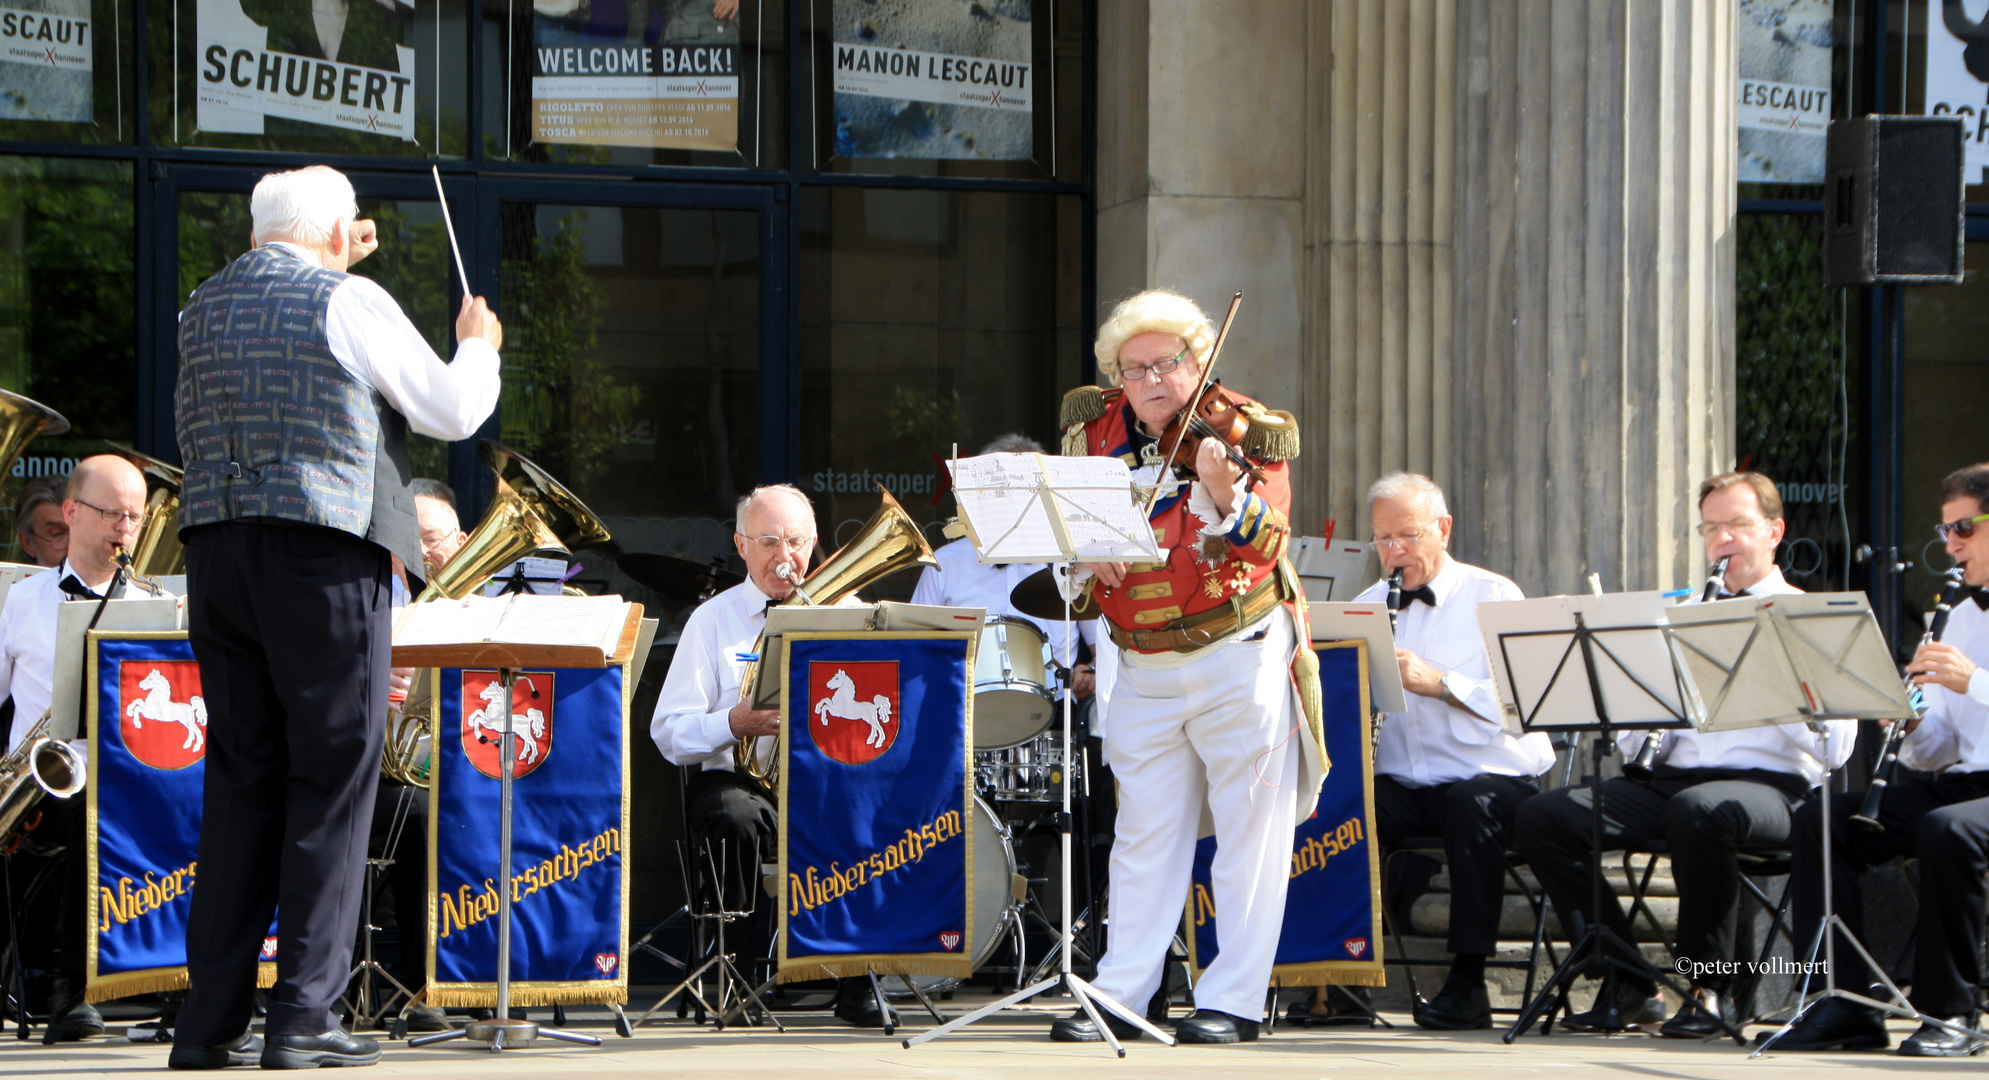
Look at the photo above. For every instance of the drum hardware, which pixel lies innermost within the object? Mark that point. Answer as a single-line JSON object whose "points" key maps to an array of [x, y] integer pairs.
{"points": [[38, 766], [1028, 774], [998, 896], [1037, 596], [156, 550], [1013, 701], [889, 542], [680, 581]]}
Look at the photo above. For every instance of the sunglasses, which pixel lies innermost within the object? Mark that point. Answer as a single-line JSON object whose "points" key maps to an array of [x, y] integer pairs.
{"points": [[1964, 528]]}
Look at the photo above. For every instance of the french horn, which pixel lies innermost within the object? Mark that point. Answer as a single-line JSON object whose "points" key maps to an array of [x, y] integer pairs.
{"points": [[889, 542]]}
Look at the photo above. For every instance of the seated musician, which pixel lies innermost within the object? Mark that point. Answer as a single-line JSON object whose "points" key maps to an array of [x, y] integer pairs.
{"points": [[1713, 794], [1447, 767], [102, 506], [442, 532], [700, 719], [38, 524], [1943, 821], [1210, 644]]}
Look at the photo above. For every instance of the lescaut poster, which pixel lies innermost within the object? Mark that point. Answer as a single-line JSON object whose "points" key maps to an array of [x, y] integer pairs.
{"points": [[1784, 89], [47, 60], [661, 75], [257, 59], [934, 79]]}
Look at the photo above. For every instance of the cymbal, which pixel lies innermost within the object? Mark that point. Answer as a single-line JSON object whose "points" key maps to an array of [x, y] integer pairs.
{"points": [[1038, 598], [677, 579]]}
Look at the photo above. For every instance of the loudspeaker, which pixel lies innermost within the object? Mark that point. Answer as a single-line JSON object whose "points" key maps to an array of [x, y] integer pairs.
{"points": [[1894, 200]]}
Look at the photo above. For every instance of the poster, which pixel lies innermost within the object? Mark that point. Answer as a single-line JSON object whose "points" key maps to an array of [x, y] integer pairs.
{"points": [[663, 75], [1784, 106], [934, 79], [256, 59], [47, 60], [1958, 72]]}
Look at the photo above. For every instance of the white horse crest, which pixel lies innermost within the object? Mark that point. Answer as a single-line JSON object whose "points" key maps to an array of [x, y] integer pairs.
{"points": [[491, 718], [844, 705], [158, 704]]}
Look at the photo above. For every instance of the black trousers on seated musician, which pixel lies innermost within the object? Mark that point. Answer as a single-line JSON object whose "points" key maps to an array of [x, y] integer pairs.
{"points": [[1707, 816], [1944, 823], [1475, 819], [739, 827], [49, 915], [400, 832], [290, 624]]}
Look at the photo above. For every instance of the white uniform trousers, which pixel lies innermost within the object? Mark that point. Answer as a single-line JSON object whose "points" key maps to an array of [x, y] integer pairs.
{"points": [[1220, 728]]}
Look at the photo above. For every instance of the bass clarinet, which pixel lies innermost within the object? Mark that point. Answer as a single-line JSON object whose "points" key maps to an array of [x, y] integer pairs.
{"points": [[1644, 765], [1867, 817]]}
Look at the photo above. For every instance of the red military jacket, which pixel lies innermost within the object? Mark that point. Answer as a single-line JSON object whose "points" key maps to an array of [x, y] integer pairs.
{"points": [[1200, 572]]}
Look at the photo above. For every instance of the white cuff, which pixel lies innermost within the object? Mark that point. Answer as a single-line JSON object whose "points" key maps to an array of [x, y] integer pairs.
{"points": [[1978, 686]]}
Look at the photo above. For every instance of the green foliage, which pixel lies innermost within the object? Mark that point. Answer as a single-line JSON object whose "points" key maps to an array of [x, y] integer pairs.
{"points": [[1787, 342]]}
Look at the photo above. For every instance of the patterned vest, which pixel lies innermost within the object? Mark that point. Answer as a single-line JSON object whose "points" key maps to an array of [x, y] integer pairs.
{"points": [[270, 425]]}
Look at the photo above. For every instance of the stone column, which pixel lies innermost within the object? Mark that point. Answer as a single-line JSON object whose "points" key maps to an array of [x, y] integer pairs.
{"points": [[1594, 357]]}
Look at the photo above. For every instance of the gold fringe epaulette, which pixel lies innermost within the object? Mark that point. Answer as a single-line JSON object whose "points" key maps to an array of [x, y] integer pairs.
{"points": [[1082, 406], [1273, 436]]}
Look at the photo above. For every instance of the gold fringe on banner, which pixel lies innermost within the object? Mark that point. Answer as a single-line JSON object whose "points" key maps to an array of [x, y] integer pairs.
{"points": [[133, 983], [807, 969], [265, 975], [526, 995], [1331, 973]]}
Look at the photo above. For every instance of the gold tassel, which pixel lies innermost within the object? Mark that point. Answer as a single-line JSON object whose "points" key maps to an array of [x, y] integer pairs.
{"points": [[1082, 406], [150, 982], [1272, 436], [1074, 442], [265, 975], [1369, 973], [527, 995]]}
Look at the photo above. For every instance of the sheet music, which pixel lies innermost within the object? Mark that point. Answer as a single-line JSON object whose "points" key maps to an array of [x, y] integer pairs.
{"points": [[521, 619], [1001, 497]]}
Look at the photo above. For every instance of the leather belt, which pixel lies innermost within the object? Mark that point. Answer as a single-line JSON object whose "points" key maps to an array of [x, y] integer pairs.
{"points": [[1205, 628]]}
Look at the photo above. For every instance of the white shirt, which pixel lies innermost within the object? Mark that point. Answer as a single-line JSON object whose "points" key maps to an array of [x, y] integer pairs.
{"points": [[27, 646], [1955, 732], [1435, 743], [377, 345], [962, 580], [692, 723], [1786, 748]]}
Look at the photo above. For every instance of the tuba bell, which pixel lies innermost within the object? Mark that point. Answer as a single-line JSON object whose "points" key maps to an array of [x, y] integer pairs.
{"points": [[530, 514], [889, 542], [156, 551], [38, 766]]}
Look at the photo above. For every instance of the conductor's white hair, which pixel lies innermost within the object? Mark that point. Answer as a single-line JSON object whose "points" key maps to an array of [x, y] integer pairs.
{"points": [[753, 497], [304, 206], [1153, 311], [1409, 486]]}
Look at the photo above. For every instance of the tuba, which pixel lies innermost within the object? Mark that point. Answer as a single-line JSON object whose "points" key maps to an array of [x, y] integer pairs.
{"points": [[38, 766], [889, 542], [156, 552], [22, 420], [530, 513]]}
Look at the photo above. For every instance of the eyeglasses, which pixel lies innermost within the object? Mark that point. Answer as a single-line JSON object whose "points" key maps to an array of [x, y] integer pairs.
{"points": [[767, 545], [1410, 540], [1139, 372], [1734, 525], [1963, 529], [113, 517]]}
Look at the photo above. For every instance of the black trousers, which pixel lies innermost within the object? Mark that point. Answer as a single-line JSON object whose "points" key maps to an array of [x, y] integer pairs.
{"points": [[1475, 819], [739, 826], [290, 624], [1945, 823], [51, 918], [1707, 816], [400, 832]]}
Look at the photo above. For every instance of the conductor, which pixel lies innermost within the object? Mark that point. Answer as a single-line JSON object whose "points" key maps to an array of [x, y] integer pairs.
{"points": [[298, 384]]}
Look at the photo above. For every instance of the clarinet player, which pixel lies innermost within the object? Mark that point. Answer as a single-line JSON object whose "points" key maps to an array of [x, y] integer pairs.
{"points": [[1944, 821]]}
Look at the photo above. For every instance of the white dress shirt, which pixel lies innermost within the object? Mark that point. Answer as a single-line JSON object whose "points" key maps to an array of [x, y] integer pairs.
{"points": [[1788, 748], [27, 646], [1955, 733], [692, 723], [1434, 742], [377, 345]]}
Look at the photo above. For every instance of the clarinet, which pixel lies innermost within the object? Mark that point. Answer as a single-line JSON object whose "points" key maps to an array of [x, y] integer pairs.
{"points": [[1867, 817], [1644, 766], [1394, 606]]}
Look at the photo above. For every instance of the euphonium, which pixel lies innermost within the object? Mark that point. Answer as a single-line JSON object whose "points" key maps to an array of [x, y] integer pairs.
{"points": [[38, 766], [889, 542], [529, 514], [406, 757], [156, 550]]}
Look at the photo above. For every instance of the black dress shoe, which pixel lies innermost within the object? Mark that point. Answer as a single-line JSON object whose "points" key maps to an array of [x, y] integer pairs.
{"points": [[71, 1019], [859, 1008], [246, 1050], [1212, 1026], [1077, 1027], [1698, 1018], [1633, 1008], [336, 1047], [1462, 1005], [1833, 1024], [1933, 1040], [1338, 1006]]}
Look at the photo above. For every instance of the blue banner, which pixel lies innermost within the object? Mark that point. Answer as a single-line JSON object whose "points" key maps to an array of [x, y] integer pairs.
{"points": [[148, 761], [569, 804], [1332, 926], [876, 844]]}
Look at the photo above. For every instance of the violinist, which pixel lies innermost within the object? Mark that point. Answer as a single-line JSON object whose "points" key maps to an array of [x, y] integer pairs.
{"points": [[1206, 706]]}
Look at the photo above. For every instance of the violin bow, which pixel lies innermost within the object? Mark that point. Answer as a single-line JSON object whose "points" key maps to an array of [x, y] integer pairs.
{"points": [[1208, 379]]}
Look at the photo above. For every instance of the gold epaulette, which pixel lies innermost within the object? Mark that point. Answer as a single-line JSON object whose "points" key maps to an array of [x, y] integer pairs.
{"points": [[1273, 436], [1082, 406]]}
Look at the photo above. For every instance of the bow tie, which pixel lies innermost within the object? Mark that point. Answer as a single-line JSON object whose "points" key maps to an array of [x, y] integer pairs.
{"points": [[1977, 594], [1422, 593], [1725, 595], [74, 586]]}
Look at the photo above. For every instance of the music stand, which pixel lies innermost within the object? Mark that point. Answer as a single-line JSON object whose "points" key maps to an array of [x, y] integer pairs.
{"points": [[1835, 651], [1056, 510], [1627, 679]]}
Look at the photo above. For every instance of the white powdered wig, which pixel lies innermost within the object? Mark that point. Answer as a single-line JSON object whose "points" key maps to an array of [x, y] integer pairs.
{"points": [[1410, 486], [304, 206], [1155, 310]]}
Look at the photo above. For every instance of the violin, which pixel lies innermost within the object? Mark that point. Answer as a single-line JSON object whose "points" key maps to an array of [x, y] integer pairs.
{"points": [[1215, 415]]}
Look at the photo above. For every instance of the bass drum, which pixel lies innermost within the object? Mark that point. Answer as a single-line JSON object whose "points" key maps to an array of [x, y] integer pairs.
{"points": [[1013, 702], [996, 909]]}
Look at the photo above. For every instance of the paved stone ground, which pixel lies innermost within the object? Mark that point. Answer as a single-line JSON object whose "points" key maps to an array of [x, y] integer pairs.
{"points": [[1015, 1047]]}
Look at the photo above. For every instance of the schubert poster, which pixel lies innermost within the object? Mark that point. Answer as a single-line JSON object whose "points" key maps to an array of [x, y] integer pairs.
{"points": [[343, 65]]}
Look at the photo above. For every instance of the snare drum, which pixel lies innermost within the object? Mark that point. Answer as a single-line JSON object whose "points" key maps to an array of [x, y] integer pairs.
{"points": [[997, 903], [1030, 773], [1013, 702]]}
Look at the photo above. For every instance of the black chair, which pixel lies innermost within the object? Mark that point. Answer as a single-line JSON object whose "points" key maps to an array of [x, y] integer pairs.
{"points": [[1433, 847], [1766, 863]]}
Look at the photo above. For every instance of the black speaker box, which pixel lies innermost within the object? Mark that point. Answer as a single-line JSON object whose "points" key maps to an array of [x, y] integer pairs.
{"points": [[1894, 200]]}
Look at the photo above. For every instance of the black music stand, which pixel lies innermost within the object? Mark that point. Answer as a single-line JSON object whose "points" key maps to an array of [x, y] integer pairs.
{"points": [[1586, 646]]}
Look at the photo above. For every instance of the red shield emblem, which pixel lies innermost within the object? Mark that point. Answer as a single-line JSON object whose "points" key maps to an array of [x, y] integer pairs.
{"points": [[853, 708], [531, 719], [164, 719]]}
